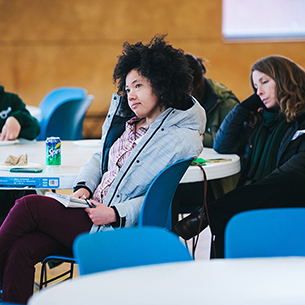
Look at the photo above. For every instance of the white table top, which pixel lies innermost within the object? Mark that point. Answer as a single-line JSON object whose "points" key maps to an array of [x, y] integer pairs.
{"points": [[260, 281], [213, 170], [60, 177], [74, 156]]}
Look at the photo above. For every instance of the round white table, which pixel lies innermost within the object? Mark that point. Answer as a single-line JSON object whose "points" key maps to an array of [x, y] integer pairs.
{"points": [[76, 153], [260, 281], [215, 170]]}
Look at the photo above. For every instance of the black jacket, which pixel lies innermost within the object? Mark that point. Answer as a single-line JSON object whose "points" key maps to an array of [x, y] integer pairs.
{"points": [[12, 105], [235, 136]]}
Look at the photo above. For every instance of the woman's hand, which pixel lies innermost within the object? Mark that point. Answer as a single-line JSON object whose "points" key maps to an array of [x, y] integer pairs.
{"points": [[101, 214], [253, 103], [10, 130], [80, 193]]}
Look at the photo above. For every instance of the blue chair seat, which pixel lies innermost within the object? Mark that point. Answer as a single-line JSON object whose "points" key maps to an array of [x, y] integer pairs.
{"points": [[266, 233], [127, 247]]}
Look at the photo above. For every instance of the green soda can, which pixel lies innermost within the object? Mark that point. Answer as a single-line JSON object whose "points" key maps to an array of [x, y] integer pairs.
{"points": [[53, 151]]}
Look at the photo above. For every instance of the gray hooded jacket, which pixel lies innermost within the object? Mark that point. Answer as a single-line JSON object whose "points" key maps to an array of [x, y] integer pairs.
{"points": [[173, 136]]}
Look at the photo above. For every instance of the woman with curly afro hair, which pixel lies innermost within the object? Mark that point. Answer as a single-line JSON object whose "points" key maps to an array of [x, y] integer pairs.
{"points": [[152, 123], [164, 66]]}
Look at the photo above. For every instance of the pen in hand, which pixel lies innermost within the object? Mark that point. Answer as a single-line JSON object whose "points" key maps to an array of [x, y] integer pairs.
{"points": [[91, 205]]}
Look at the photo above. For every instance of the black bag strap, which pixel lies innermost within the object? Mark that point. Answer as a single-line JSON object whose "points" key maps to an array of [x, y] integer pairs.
{"points": [[204, 209]]}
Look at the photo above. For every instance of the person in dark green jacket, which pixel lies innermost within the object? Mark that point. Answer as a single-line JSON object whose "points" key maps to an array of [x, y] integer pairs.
{"points": [[15, 122], [15, 119], [215, 98], [218, 101]]}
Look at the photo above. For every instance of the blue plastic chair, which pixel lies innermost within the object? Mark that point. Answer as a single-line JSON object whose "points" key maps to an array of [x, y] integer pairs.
{"points": [[156, 211], [156, 208], [266, 233], [63, 110], [127, 247], [54, 261]]}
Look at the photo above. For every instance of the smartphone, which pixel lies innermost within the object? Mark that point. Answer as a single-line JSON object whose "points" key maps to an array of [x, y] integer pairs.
{"points": [[25, 170]]}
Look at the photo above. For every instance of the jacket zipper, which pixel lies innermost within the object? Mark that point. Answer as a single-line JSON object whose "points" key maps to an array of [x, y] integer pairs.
{"points": [[131, 163]]}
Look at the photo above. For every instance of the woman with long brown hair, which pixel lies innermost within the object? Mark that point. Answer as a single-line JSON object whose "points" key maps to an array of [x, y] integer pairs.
{"points": [[273, 147]]}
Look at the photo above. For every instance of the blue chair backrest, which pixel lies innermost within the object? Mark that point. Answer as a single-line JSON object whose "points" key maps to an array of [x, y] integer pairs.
{"points": [[79, 117], [156, 208], [127, 247], [67, 120], [58, 107], [266, 233]]}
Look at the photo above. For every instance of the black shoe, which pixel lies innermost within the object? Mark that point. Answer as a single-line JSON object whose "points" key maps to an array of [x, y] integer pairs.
{"points": [[188, 227]]}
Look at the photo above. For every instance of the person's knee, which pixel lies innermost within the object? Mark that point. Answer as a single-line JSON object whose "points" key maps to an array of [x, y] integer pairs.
{"points": [[27, 203], [28, 199]]}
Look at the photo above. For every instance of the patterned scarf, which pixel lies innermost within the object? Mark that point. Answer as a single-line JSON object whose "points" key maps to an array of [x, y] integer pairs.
{"points": [[118, 154]]}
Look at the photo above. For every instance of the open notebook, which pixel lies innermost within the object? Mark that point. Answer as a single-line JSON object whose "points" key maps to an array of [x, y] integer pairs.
{"points": [[68, 201]]}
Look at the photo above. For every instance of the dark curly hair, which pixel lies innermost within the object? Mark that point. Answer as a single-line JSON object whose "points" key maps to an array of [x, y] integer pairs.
{"points": [[164, 66]]}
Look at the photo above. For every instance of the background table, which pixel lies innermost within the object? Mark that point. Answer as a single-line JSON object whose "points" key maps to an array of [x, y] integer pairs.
{"points": [[60, 177], [213, 170], [74, 156], [262, 281]]}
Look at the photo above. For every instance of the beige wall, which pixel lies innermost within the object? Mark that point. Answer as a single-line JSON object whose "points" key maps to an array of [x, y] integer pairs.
{"points": [[45, 44]]}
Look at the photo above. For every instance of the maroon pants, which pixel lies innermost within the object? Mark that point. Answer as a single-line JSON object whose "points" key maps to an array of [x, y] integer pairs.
{"points": [[37, 226]]}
